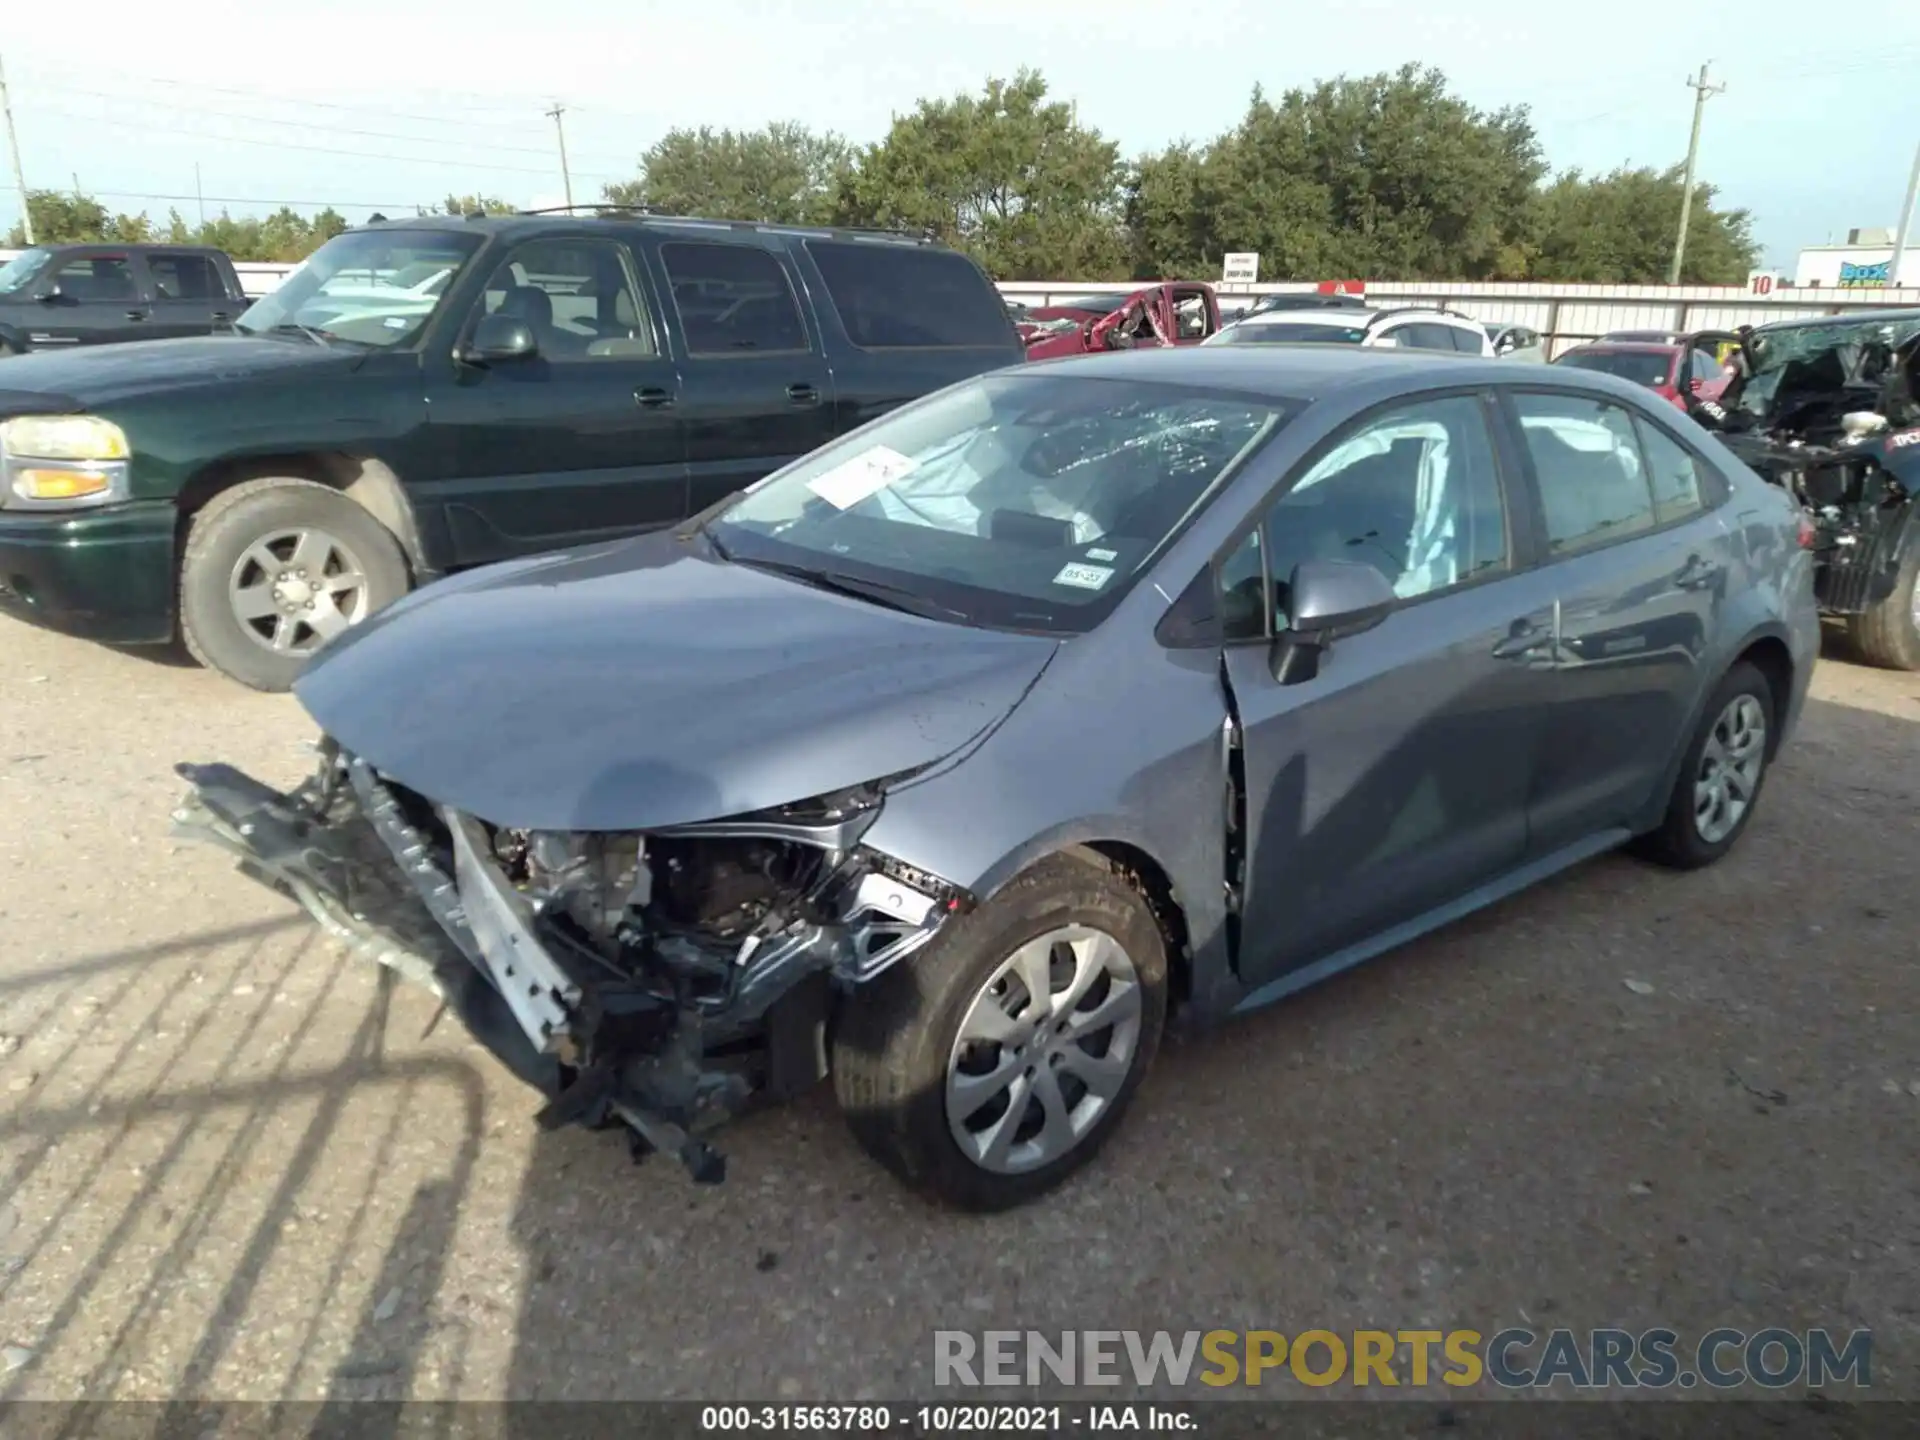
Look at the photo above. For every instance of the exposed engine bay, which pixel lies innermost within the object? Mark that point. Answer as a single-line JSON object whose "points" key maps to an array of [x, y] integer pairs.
{"points": [[1829, 412], [657, 980]]}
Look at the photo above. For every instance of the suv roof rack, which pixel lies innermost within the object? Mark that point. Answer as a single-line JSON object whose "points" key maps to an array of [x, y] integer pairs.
{"points": [[1452, 314], [649, 212]]}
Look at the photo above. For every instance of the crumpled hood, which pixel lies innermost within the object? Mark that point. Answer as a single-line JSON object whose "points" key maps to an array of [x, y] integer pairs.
{"points": [[80, 376], [641, 684]]}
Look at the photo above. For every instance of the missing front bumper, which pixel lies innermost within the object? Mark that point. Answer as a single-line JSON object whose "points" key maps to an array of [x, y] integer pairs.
{"points": [[640, 1050]]}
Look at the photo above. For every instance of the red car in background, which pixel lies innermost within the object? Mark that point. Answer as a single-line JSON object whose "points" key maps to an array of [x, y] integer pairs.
{"points": [[1673, 368], [1173, 313]]}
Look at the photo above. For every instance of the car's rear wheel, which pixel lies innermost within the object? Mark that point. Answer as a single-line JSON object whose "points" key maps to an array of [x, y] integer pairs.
{"points": [[274, 569], [993, 1064], [1719, 782], [1888, 635]]}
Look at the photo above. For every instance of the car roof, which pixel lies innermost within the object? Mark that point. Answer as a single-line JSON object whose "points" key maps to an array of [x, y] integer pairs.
{"points": [[1304, 372], [1905, 316], [534, 223], [1626, 347]]}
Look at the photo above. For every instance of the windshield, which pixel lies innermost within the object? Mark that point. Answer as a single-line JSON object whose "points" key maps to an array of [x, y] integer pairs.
{"points": [[1026, 502], [1817, 358], [364, 287], [1651, 368], [17, 272], [1279, 334]]}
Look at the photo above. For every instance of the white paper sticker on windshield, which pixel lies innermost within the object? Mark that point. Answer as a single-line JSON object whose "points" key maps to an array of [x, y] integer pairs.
{"points": [[395, 322], [1083, 577], [1102, 555], [868, 473]]}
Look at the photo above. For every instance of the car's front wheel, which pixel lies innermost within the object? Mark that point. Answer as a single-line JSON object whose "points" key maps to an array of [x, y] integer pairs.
{"points": [[274, 569], [996, 1062]]}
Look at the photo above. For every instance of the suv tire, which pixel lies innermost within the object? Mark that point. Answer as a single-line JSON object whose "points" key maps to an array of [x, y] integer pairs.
{"points": [[897, 1046], [1888, 635], [273, 569]]}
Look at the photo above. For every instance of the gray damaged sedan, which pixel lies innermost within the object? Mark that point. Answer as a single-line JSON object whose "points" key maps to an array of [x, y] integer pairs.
{"points": [[961, 757]]}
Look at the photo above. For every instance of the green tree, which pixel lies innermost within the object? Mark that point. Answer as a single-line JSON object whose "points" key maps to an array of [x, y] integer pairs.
{"points": [[468, 205], [61, 217], [1619, 228], [1007, 175], [1170, 207], [784, 174], [1380, 175]]}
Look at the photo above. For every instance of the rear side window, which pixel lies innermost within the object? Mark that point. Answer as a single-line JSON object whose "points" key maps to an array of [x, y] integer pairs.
{"points": [[1675, 474], [1593, 484], [895, 297], [733, 300], [1422, 336], [185, 277], [1465, 340]]}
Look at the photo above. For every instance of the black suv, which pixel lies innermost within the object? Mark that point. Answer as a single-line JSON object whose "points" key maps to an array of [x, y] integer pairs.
{"points": [[59, 295], [426, 395]]}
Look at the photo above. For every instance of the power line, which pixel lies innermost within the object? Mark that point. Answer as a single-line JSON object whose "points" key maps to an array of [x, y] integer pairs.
{"points": [[315, 149], [254, 200], [328, 126]]}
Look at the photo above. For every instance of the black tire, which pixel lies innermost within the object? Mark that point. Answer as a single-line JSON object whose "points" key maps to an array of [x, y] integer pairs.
{"points": [[1679, 843], [1886, 635], [230, 525], [894, 1035]]}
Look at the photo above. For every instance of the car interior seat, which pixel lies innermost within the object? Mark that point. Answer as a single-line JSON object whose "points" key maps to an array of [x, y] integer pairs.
{"points": [[533, 305]]}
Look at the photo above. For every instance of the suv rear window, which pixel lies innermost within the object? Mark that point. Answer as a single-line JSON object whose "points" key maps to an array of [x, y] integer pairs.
{"points": [[896, 297]]}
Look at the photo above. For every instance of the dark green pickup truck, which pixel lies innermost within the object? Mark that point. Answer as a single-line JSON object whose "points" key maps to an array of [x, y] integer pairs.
{"points": [[427, 395]]}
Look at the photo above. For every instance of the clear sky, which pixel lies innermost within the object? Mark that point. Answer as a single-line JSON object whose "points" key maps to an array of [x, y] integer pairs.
{"points": [[379, 105]]}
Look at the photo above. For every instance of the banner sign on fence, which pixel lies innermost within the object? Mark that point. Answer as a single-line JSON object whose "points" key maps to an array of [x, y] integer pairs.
{"points": [[1242, 267]]}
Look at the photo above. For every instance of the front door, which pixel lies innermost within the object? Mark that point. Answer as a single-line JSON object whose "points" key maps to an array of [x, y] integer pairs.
{"points": [[756, 390], [581, 440], [1639, 564], [1396, 778], [91, 297]]}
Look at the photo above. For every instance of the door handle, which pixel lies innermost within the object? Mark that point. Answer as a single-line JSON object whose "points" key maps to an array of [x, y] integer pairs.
{"points": [[1524, 640], [220, 315], [653, 397], [803, 394], [136, 314], [1697, 574]]}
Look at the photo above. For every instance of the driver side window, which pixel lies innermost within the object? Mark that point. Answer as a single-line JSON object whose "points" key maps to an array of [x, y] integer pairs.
{"points": [[1412, 491], [577, 296]]}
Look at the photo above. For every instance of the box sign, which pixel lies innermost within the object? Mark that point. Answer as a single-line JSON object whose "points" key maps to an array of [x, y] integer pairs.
{"points": [[1866, 276], [1240, 268]]}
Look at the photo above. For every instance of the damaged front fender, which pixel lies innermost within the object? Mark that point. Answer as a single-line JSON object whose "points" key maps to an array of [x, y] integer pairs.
{"points": [[654, 979]]}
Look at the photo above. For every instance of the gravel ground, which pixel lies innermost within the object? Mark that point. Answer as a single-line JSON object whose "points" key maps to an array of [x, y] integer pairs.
{"points": [[235, 1165]]}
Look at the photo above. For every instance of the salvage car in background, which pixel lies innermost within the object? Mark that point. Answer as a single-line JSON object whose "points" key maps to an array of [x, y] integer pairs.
{"points": [[829, 779], [1407, 327], [1516, 342], [1173, 314], [426, 395], [1830, 410], [1674, 372]]}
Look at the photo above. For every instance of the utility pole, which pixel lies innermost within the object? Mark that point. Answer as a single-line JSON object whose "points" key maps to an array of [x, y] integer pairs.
{"points": [[1701, 91], [13, 144], [566, 176], [1906, 221], [199, 195]]}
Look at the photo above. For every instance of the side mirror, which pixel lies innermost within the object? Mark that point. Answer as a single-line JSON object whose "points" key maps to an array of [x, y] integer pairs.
{"points": [[500, 337], [1329, 600], [1119, 338], [54, 294], [1505, 345]]}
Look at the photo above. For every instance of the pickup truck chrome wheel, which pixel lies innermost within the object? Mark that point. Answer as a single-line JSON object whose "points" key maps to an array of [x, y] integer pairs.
{"points": [[1044, 1048], [294, 590], [1730, 765]]}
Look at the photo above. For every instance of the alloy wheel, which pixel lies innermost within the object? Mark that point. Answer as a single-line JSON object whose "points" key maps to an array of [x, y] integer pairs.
{"points": [[1044, 1050], [294, 590], [1730, 765]]}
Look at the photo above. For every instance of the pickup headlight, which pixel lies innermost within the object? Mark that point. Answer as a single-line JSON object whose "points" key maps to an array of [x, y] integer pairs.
{"points": [[55, 462]]}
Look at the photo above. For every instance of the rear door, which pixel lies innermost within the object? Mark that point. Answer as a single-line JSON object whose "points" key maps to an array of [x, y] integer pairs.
{"points": [[187, 294], [90, 296], [755, 390], [579, 441], [1417, 335], [904, 320], [1639, 560]]}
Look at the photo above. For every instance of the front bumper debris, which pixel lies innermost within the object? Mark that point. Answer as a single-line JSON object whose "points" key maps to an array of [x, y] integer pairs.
{"points": [[620, 1008]]}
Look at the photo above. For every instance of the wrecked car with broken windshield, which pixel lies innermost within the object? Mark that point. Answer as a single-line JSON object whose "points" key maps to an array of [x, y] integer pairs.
{"points": [[1829, 409], [952, 759]]}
